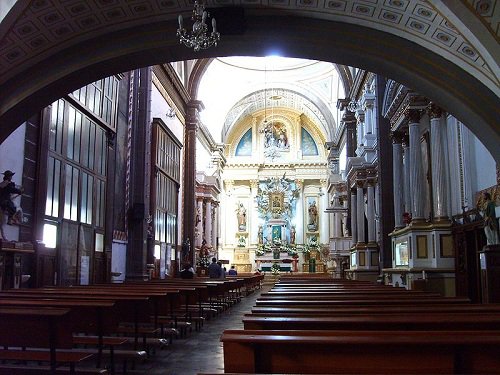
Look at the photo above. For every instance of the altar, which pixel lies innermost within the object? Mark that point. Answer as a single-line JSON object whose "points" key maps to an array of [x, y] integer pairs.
{"points": [[285, 262]]}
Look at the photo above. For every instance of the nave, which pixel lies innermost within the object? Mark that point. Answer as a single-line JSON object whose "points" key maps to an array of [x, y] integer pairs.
{"points": [[201, 352]]}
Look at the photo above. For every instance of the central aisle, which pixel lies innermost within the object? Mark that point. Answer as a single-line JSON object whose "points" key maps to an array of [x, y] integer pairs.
{"points": [[200, 351]]}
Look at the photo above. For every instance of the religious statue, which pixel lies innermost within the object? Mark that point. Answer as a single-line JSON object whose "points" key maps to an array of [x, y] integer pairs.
{"points": [[8, 191], [204, 248], [241, 214], [313, 216], [292, 235], [186, 250], [260, 235], [282, 139], [490, 221]]}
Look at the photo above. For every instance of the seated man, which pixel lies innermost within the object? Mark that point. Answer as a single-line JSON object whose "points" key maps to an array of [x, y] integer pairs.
{"points": [[232, 272], [187, 272]]}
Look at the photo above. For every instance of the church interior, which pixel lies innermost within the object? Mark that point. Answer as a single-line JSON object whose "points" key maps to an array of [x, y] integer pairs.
{"points": [[345, 189]]}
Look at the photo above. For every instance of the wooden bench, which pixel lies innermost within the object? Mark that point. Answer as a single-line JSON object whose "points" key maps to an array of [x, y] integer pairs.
{"points": [[368, 322], [44, 328], [360, 302], [377, 309], [361, 352]]}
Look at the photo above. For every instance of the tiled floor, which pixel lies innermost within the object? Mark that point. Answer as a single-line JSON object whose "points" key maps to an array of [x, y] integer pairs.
{"points": [[200, 351]]}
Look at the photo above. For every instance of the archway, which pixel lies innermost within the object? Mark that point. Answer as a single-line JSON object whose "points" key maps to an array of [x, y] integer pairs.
{"points": [[87, 57]]}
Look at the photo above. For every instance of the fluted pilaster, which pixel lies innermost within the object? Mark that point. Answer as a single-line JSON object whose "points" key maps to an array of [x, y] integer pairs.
{"points": [[398, 185], [416, 169], [439, 190], [406, 177], [354, 217], [299, 224], [208, 222], [370, 211], [199, 222], [254, 214], [360, 213], [324, 218]]}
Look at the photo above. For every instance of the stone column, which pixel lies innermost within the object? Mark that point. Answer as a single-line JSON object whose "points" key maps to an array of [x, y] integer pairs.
{"points": [[199, 225], [194, 107], [416, 169], [360, 212], [253, 227], [299, 224], [229, 222], [354, 220], [398, 185], [406, 175], [208, 222], [324, 222], [369, 99], [337, 215], [215, 224], [439, 190], [370, 211], [360, 115]]}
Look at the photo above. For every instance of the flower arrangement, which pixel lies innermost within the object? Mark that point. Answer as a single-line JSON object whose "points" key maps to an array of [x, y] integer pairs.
{"points": [[292, 251], [267, 248], [275, 269], [260, 250], [203, 261]]}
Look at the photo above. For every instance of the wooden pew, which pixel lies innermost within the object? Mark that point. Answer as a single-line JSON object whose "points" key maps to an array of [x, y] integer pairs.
{"points": [[367, 322], [41, 327], [383, 309], [361, 352], [360, 302]]}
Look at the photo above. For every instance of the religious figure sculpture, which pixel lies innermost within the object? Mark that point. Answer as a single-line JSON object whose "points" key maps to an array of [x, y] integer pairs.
{"points": [[292, 235], [490, 221], [313, 216], [260, 235], [241, 214], [186, 249], [8, 190]]}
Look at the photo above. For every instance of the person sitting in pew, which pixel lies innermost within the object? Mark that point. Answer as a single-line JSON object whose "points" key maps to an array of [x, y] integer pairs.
{"points": [[187, 272]]}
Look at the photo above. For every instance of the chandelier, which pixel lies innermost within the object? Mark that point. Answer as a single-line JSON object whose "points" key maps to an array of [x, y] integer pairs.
{"points": [[199, 37]]}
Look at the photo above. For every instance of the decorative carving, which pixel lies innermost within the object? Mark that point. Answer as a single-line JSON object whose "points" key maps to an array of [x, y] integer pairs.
{"points": [[275, 198], [413, 115], [434, 110]]}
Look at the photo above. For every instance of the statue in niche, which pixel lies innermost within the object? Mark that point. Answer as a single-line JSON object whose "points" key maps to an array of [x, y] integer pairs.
{"points": [[292, 235], [260, 235], [241, 214], [282, 139], [490, 220], [312, 223], [186, 250]]}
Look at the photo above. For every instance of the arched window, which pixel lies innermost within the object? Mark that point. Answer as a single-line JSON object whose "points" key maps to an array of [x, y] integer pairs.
{"points": [[309, 147], [244, 147]]}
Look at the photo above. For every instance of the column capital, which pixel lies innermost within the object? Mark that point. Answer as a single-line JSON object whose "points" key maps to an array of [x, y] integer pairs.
{"points": [[323, 182], [434, 111], [397, 137], [254, 184], [299, 183], [413, 115]]}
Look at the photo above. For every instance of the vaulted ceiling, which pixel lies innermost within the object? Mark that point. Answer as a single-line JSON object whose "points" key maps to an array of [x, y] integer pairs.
{"points": [[48, 47]]}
